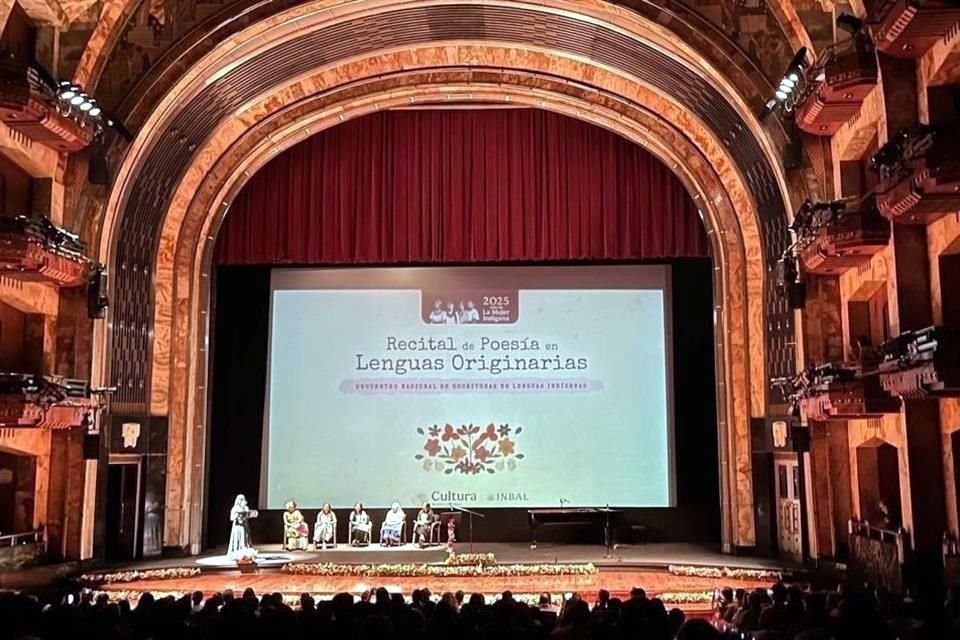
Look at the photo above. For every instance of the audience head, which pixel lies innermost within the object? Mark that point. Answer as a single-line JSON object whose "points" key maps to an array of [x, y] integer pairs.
{"points": [[698, 629]]}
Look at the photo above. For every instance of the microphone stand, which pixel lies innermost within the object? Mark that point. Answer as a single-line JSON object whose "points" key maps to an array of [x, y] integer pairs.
{"points": [[470, 513]]}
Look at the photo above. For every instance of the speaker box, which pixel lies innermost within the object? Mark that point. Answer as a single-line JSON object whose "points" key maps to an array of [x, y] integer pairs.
{"points": [[91, 446], [797, 295], [793, 156], [97, 170], [97, 301]]}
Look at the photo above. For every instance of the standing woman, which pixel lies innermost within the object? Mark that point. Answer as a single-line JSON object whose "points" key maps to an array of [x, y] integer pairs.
{"points": [[360, 526], [240, 543], [325, 531]]}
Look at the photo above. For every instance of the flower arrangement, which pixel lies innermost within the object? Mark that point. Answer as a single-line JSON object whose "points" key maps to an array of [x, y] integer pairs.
{"points": [[471, 559], [470, 449], [293, 600], [437, 570], [724, 572], [688, 597], [133, 575]]}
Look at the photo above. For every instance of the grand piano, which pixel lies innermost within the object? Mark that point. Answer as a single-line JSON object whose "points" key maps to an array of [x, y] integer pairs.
{"points": [[599, 517]]}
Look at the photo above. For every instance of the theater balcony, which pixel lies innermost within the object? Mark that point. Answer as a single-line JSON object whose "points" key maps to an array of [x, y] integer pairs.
{"points": [[837, 85], [919, 176], [846, 242], [922, 364], [907, 28], [52, 402], [840, 392], [35, 249], [28, 104]]}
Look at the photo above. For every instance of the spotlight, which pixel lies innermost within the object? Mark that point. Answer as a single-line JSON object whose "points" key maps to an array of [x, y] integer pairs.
{"points": [[95, 111], [77, 99], [788, 87], [66, 90], [86, 106]]}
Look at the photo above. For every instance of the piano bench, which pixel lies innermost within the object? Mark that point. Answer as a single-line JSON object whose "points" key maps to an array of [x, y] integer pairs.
{"points": [[638, 533]]}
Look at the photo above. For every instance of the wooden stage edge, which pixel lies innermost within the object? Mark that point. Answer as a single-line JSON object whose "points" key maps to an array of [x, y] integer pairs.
{"points": [[645, 556], [646, 566]]}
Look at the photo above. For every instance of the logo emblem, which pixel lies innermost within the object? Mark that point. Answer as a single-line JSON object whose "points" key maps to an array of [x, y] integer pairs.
{"points": [[131, 434], [779, 434]]}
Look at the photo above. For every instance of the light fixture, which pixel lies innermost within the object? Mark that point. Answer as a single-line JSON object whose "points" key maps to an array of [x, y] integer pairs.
{"points": [[67, 90], [76, 100], [789, 86]]}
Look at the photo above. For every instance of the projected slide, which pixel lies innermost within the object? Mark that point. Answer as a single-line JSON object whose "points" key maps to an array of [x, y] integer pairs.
{"points": [[481, 387]]}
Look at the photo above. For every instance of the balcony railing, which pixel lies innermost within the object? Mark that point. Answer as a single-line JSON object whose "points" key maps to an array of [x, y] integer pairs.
{"points": [[908, 28], [878, 555], [919, 175], [845, 243], [28, 104], [837, 85], [915, 364], [920, 364], [16, 539], [36, 249], [52, 402]]}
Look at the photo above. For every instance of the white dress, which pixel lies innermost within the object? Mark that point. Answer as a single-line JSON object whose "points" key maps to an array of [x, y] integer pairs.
{"points": [[240, 531]]}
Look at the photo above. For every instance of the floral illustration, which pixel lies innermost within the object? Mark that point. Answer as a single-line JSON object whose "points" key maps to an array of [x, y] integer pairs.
{"points": [[470, 449]]}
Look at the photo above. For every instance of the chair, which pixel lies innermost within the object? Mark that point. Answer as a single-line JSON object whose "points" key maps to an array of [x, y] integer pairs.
{"points": [[432, 538], [321, 545], [403, 533], [350, 538]]}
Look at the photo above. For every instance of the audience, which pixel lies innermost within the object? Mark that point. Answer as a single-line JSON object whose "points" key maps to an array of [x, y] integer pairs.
{"points": [[782, 613]]}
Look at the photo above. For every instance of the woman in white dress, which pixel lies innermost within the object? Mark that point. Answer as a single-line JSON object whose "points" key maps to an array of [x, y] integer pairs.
{"points": [[324, 532], [240, 543], [392, 528]]}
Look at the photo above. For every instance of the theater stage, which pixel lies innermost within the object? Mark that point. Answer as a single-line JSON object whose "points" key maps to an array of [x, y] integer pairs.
{"points": [[683, 575]]}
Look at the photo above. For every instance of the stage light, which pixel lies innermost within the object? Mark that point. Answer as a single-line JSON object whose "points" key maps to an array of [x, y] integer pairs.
{"points": [[73, 102], [67, 90], [789, 86]]}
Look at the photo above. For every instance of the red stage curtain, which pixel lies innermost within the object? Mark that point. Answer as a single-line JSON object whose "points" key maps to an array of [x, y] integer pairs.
{"points": [[461, 186]]}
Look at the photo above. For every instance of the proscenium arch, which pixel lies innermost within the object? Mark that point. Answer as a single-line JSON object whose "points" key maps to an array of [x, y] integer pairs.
{"points": [[178, 132], [199, 229], [738, 390]]}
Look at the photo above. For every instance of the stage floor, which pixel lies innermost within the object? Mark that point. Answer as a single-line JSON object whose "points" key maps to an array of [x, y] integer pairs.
{"points": [[645, 566], [634, 556]]}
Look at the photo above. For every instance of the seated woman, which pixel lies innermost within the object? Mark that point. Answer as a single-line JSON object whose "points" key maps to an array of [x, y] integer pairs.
{"points": [[423, 525], [325, 531], [392, 527], [295, 529], [360, 526]]}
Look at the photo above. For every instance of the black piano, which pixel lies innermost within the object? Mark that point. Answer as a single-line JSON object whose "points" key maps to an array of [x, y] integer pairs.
{"points": [[599, 517]]}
